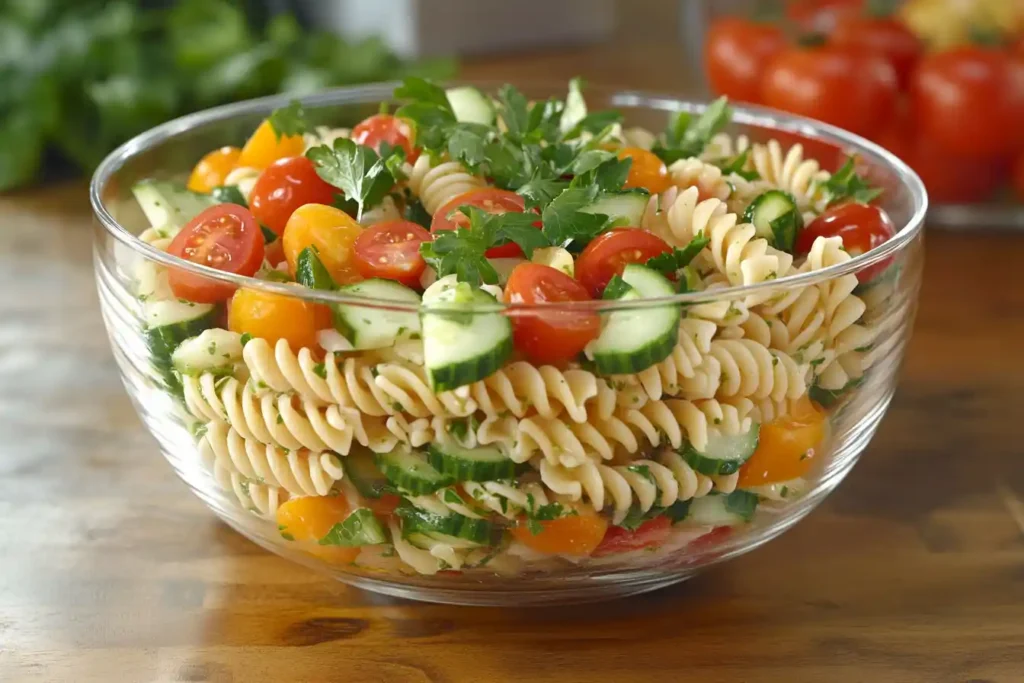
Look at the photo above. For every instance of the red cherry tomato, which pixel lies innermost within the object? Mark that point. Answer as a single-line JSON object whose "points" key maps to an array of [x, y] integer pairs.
{"points": [[650, 534], [821, 16], [286, 185], [970, 101], [391, 250], [225, 237], [385, 128], [491, 200], [949, 178], [846, 87], [862, 227], [885, 36], [736, 54], [549, 336], [608, 254]]}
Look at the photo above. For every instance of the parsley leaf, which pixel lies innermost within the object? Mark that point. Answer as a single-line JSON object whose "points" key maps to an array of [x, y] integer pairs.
{"points": [[590, 159], [644, 471], [609, 175], [535, 514], [565, 223], [683, 144], [359, 528], [422, 90], [544, 119], [539, 192], [356, 170], [288, 121], [512, 107], [310, 271], [671, 262], [735, 166], [846, 184], [246, 338], [597, 124], [467, 142], [616, 288]]}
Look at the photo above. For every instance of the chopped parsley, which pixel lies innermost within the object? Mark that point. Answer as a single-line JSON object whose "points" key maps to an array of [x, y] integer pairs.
{"points": [[289, 121], [357, 170], [672, 262], [320, 370], [845, 184], [685, 137], [535, 514]]}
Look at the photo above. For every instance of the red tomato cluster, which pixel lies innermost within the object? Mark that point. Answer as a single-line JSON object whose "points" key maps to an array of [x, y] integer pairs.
{"points": [[954, 116]]}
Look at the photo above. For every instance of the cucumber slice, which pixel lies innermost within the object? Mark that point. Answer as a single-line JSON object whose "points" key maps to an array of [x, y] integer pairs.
{"points": [[635, 340], [776, 218], [411, 472], [624, 208], [168, 206], [214, 350], [374, 328], [168, 324], [444, 527], [723, 510], [724, 454], [470, 105], [461, 347], [471, 464], [361, 469], [360, 528]]}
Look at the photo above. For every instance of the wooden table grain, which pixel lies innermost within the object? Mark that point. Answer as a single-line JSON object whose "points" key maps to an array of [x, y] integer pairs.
{"points": [[912, 572]]}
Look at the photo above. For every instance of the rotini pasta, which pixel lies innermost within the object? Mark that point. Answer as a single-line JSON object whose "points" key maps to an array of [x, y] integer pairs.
{"points": [[261, 499], [520, 387], [244, 178], [435, 186], [706, 178], [750, 369]]}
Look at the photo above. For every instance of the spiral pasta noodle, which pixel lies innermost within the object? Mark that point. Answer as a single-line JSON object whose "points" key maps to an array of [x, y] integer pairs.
{"points": [[750, 369], [520, 387], [261, 499], [707, 178], [792, 172], [678, 373], [435, 186]]}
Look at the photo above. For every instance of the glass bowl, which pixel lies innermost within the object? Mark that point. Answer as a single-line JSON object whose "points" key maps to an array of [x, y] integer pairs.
{"points": [[542, 416]]}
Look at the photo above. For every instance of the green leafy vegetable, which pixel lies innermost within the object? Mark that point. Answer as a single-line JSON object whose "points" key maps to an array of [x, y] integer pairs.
{"points": [[636, 518], [737, 165], [310, 271], [356, 170], [683, 143], [540, 192], [467, 142], [671, 262], [616, 288], [358, 529], [290, 120], [512, 108], [785, 229], [565, 223], [535, 514], [846, 184]]}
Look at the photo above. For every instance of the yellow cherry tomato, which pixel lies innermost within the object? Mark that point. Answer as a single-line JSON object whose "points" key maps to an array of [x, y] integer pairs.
{"points": [[213, 168], [572, 535], [786, 446], [647, 171], [275, 316], [264, 147], [310, 518], [332, 231]]}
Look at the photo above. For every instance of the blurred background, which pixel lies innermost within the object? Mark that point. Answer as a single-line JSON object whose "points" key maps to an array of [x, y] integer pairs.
{"points": [[77, 77]]}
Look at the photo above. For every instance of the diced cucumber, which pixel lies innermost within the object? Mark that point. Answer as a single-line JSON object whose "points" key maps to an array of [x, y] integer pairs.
{"points": [[575, 106], [470, 105], [360, 528], [461, 346], [634, 340], [168, 324], [723, 510], [373, 328], [454, 525], [776, 218], [724, 453], [625, 208], [214, 350], [827, 398], [411, 472], [168, 206], [471, 464], [362, 470]]}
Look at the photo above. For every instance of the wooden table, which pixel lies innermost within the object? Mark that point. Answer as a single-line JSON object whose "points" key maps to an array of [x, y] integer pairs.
{"points": [[913, 571]]}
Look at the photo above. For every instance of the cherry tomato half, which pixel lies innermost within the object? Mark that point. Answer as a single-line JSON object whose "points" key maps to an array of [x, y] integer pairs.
{"points": [[225, 237], [264, 147], [846, 87], [311, 518], [385, 128], [970, 101], [785, 446], [549, 336], [647, 170], [862, 228], [607, 255], [491, 200], [576, 534], [274, 317], [213, 168], [885, 36], [650, 534], [332, 232], [285, 186], [391, 250], [737, 53]]}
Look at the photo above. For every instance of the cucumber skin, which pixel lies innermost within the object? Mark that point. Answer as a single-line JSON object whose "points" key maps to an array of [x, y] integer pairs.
{"points": [[415, 520], [163, 340], [453, 466], [652, 354], [397, 477], [714, 466], [742, 503], [452, 377]]}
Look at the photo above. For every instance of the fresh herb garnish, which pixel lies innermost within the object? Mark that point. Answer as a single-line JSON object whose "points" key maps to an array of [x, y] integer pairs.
{"points": [[356, 170], [671, 262], [846, 184], [685, 137], [644, 471], [289, 121], [359, 528], [535, 514], [635, 518], [246, 338], [616, 288], [785, 229], [311, 272], [737, 166], [565, 222]]}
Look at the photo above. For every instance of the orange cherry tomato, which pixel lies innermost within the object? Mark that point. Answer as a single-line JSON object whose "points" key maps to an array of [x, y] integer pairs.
{"points": [[275, 316], [225, 237], [736, 53], [213, 168], [862, 227], [650, 534], [608, 254], [391, 250], [332, 231], [843, 86], [576, 534], [647, 170], [265, 147], [285, 186], [311, 518], [385, 128], [885, 36], [490, 199], [549, 336], [786, 446]]}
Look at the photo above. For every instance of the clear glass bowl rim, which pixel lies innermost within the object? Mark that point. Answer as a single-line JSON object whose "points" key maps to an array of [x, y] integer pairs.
{"points": [[759, 117]]}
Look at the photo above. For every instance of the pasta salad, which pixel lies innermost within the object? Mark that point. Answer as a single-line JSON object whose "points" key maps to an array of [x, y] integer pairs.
{"points": [[435, 422]]}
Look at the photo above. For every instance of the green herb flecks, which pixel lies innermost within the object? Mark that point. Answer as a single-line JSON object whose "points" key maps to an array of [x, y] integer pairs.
{"points": [[686, 137], [356, 170], [845, 184]]}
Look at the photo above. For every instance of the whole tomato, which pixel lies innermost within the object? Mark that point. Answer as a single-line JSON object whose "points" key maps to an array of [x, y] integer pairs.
{"points": [[821, 16], [885, 36], [970, 100], [737, 52], [846, 87]]}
